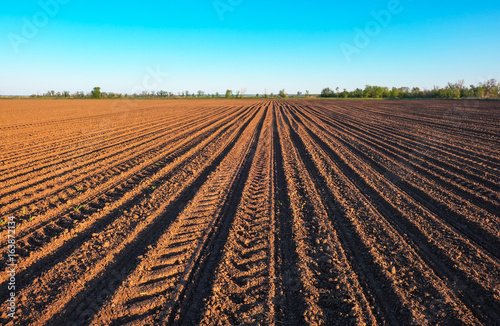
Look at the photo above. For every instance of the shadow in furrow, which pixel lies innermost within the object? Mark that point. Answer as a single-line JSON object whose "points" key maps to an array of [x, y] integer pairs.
{"points": [[107, 283], [480, 301], [290, 306], [189, 309], [388, 306]]}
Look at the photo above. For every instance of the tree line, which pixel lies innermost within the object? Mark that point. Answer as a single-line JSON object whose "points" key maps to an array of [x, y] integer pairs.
{"points": [[96, 93], [488, 89]]}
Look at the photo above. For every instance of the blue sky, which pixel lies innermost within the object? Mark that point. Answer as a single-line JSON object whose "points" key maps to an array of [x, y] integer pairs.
{"points": [[244, 44]]}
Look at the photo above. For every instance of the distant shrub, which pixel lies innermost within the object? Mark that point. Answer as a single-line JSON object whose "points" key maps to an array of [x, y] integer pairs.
{"points": [[327, 92]]}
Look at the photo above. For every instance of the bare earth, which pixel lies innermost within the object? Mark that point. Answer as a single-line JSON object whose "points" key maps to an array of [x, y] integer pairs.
{"points": [[219, 212]]}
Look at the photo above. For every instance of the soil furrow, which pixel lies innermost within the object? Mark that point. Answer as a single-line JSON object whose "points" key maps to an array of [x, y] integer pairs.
{"points": [[243, 289], [64, 167], [416, 135], [30, 155], [96, 267], [290, 306], [392, 261], [457, 175], [163, 276], [117, 187], [250, 212], [76, 189], [332, 292], [399, 137], [402, 221], [459, 213]]}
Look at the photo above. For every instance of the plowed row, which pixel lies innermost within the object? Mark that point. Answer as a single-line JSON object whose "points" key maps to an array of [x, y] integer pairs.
{"points": [[252, 212]]}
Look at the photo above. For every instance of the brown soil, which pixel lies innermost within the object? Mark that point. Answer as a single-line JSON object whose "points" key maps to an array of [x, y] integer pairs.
{"points": [[223, 212]]}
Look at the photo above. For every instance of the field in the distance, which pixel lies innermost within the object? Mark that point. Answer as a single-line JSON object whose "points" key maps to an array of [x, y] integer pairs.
{"points": [[251, 212]]}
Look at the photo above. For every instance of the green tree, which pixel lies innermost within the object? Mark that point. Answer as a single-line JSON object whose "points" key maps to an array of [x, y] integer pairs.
{"points": [[394, 93], [379, 91], [358, 93], [465, 92], [229, 93], [327, 92], [368, 91], [404, 92], [283, 94], [415, 92], [489, 88], [96, 93]]}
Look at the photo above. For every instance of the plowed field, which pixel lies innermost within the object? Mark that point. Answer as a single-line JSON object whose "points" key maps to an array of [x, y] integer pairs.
{"points": [[275, 212]]}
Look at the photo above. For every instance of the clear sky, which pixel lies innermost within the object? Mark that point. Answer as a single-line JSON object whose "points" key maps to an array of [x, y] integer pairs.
{"points": [[257, 45]]}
